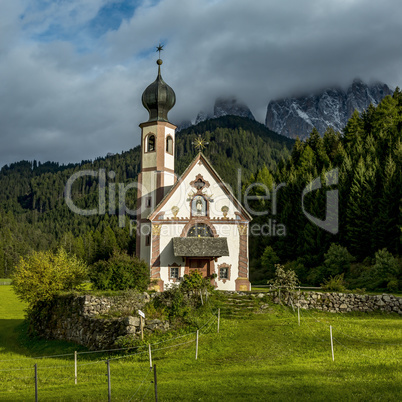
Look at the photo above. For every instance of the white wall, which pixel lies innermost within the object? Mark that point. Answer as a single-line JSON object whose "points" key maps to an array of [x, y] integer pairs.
{"points": [[166, 248], [229, 230], [181, 197]]}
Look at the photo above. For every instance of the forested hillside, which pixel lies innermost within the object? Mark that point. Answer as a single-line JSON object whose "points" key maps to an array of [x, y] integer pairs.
{"points": [[368, 156], [365, 248], [34, 215]]}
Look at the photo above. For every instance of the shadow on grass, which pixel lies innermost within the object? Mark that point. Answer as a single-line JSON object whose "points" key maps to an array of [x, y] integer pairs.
{"points": [[328, 382], [14, 338], [10, 329]]}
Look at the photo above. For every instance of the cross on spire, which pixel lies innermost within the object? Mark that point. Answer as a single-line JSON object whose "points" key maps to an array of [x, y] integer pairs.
{"points": [[159, 49]]}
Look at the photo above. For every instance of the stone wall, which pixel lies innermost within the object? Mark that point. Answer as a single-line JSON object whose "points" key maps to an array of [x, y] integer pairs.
{"points": [[93, 321], [341, 302], [98, 322]]}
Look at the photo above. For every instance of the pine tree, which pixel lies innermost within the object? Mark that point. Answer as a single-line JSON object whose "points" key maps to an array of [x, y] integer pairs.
{"points": [[360, 211], [387, 219], [353, 129]]}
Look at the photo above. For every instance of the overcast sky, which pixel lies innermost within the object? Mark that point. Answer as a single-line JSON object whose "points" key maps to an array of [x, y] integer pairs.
{"points": [[72, 72]]}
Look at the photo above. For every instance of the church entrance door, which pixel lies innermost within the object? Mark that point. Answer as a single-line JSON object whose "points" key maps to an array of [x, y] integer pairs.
{"points": [[200, 264]]}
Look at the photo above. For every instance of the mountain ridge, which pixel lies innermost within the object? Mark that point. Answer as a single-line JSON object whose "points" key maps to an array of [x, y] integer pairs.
{"points": [[223, 106], [330, 108]]}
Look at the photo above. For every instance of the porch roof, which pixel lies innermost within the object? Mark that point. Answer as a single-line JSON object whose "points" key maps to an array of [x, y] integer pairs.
{"points": [[200, 246]]}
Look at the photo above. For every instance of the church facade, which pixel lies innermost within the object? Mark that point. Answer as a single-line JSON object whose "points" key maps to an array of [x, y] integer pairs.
{"points": [[193, 222]]}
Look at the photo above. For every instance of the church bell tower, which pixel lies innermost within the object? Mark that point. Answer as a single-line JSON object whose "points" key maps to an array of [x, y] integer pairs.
{"points": [[157, 156]]}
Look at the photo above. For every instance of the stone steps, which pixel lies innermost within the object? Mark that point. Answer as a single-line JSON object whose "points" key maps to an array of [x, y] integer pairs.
{"points": [[238, 306]]}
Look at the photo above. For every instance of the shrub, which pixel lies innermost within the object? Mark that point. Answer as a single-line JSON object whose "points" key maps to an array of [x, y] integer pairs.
{"points": [[316, 275], [384, 273], [120, 272], [301, 270], [284, 279], [195, 282], [386, 265], [357, 269], [392, 285], [183, 302], [334, 284], [173, 301], [39, 276], [337, 260], [368, 279]]}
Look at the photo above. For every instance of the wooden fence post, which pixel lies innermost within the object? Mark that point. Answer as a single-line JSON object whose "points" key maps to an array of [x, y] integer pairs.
{"points": [[155, 384], [109, 383], [75, 368], [332, 343], [298, 314], [150, 355], [36, 382], [219, 318], [196, 347]]}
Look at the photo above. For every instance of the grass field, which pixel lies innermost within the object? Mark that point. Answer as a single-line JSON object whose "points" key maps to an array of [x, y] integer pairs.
{"points": [[263, 357]]}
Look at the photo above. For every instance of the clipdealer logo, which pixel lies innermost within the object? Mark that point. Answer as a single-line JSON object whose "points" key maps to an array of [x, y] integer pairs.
{"points": [[271, 228], [331, 221]]}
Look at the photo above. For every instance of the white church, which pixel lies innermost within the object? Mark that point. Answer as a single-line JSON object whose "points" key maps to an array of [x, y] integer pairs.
{"points": [[193, 222]]}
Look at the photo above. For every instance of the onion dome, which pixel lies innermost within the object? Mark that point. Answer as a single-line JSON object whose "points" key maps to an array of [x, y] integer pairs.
{"points": [[158, 98]]}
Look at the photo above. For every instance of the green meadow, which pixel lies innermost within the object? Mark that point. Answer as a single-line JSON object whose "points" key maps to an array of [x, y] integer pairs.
{"points": [[258, 357]]}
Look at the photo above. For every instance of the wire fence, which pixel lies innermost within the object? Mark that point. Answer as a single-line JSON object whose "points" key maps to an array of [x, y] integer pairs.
{"points": [[359, 339], [213, 316], [141, 385], [69, 370], [369, 349]]}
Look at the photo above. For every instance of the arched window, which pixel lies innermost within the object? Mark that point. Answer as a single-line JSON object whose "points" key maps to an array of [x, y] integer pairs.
{"points": [[169, 145], [200, 230], [199, 206], [150, 143]]}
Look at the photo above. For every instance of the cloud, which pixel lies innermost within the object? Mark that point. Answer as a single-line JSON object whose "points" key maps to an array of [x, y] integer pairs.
{"points": [[9, 24], [72, 77]]}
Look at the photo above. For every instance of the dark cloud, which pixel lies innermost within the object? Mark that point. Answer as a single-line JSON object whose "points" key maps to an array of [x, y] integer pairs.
{"points": [[72, 93]]}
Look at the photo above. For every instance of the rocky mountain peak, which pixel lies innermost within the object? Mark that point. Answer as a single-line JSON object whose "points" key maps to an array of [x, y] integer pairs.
{"points": [[226, 106], [331, 107]]}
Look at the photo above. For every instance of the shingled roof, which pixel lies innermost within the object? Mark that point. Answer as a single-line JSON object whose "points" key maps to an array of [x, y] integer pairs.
{"points": [[200, 246]]}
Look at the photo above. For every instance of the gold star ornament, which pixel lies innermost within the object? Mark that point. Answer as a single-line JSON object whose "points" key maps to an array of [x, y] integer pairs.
{"points": [[199, 143]]}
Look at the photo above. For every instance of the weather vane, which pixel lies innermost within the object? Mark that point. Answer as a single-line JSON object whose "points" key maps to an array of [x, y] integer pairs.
{"points": [[159, 49], [199, 143]]}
